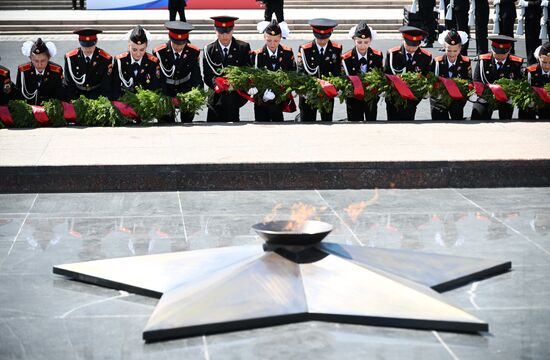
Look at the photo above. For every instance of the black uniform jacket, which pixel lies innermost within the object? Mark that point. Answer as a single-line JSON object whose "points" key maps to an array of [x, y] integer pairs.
{"points": [[47, 86], [7, 86], [462, 68], [352, 66], [536, 77], [91, 80], [127, 77], [239, 55], [396, 61], [179, 75], [310, 61], [486, 69], [284, 60]]}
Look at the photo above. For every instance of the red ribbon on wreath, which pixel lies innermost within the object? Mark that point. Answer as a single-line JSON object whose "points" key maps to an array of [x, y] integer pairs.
{"points": [[329, 89], [479, 87], [126, 110], [452, 88], [40, 114], [402, 87], [358, 91], [499, 93], [542, 93], [5, 116], [221, 84], [68, 111]]}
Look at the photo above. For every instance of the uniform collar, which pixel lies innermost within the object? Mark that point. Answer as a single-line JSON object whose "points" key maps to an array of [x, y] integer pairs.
{"points": [[272, 53], [225, 47], [38, 72], [136, 61], [359, 56]]}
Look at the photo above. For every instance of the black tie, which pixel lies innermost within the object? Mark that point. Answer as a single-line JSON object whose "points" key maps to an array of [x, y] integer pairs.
{"points": [[499, 65], [363, 61], [452, 69], [87, 60], [39, 78], [225, 55], [273, 61], [322, 51], [177, 56], [409, 58], [135, 67]]}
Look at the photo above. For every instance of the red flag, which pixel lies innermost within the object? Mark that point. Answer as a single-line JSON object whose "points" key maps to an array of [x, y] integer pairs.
{"points": [[358, 91], [40, 114], [5, 116], [401, 87], [68, 111], [329, 89], [542, 93], [452, 88], [126, 110], [499, 93], [479, 88]]}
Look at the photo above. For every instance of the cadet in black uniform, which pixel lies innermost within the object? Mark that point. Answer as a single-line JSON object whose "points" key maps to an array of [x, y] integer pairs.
{"points": [[320, 57], [481, 21], [274, 7], [406, 58], [226, 51], [176, 7], [451, 65], [272, 56], [135, 67], [179, 64], [426, 11], [493, 66], [7, 86], [39, 80], [539, 75], [358, 61], [88, 68]]}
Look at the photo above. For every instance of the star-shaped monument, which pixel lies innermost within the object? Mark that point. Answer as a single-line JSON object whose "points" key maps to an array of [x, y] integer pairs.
{"points": [[293, 277]]}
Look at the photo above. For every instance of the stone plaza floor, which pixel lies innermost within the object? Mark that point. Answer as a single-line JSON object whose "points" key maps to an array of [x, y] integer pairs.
{"points": [[45, 316]]}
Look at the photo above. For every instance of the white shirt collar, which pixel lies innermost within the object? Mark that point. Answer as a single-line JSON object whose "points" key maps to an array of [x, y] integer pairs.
{"points": [[321, 47], [545, 73], [39, 72], [359, 56], [272, 53], [136, 61], [225, 47]]}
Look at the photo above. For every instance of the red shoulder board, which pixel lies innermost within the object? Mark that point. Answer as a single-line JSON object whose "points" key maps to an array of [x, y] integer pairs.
{"points": [[160, 47], [438, 58], [377, 52], [347, 55], [485, 57], [465, 58], [307, 45], [105, 54], [72, 53], [426, 52], [336, 45], [396, 48], [55, 68], [532, 68], [122, 56], [194, 47], [286, 48], [4, 72], [515, 58], [25, 67], [152, 58]]}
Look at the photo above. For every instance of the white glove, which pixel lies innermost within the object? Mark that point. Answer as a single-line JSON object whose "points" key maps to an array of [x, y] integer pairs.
{"points": [[544, 3], [268, 95], [252, 91], [523, 4]]}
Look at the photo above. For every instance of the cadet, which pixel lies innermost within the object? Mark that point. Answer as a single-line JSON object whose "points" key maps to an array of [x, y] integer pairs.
{"points": [[179, 64], [358, 61], [225, 51], [88, 68], [39, 80], [320, 57], [451, 65], [272, 56], [493, 66], [7, 86], [135, 67], [539, 75], [406, 58]]}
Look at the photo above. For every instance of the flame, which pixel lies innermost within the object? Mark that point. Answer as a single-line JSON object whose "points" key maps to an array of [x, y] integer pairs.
{"points": [[355, 209], [300, 213], [271, 216]]}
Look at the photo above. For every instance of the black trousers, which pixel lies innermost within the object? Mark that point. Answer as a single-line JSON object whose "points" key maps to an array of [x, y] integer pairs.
{"points": [[482, 19], [176, 7], [359, 110], [454, 112], [268, 113], [426, 11], [81, 4], [184, 117], [542, 114], [459, 22], [507, 19], [274, 6], [480, 111], [309, 114], [532, 27], [224, 107], [400, 114]]}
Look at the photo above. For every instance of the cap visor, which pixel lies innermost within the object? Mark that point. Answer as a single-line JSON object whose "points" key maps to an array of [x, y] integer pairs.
{"points": [[224, 30], [412, 42], [87, 43], [500, 51]]}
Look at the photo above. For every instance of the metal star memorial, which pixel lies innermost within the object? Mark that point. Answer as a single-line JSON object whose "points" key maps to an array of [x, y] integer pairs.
{"points": [[293, 277]]}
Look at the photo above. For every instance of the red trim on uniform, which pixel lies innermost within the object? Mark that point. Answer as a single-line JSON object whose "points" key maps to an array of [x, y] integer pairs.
{"points": [[413, 38], [226, 24], [87, 37], [501, 45], [322, 31], [176, 36]]}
